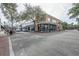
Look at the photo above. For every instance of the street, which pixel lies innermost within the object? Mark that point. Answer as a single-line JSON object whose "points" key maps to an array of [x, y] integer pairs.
{"points": [[46, 44]]}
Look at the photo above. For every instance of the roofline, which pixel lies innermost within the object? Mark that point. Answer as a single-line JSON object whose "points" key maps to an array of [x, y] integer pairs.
{"points": [[54, 18]]}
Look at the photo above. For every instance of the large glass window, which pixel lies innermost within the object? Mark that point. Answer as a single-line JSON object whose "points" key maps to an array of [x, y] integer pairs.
{"points": [[47, 27]]}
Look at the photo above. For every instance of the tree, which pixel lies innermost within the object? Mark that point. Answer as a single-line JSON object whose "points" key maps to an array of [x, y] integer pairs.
{"points": [[65, 25], [9, 10], [31, 12], [71, 26], [77, 19], [74, 12], [34, 13]]}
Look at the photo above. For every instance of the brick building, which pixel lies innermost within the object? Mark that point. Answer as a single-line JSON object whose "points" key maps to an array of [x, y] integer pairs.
{"points": [[48, 24]]}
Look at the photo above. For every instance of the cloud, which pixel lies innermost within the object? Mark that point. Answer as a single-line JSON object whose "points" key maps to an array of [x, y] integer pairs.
{"points": [[55, 9], [59, 10]]}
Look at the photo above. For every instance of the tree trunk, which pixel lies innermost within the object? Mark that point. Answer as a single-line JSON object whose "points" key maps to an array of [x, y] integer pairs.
{"points": [[12, 22], [36, 27], [0, 24], [36, 23]]}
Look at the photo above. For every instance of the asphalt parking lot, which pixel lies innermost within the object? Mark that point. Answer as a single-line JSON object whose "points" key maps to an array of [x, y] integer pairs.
{"points": [[46, 44]]}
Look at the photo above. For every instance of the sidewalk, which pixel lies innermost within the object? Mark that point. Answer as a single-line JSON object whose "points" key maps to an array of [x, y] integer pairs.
{"points": [[2, 34], [4, 44]]}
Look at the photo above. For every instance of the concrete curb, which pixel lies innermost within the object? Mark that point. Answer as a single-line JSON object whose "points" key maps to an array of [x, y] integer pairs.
{"points": [[10, 48]]}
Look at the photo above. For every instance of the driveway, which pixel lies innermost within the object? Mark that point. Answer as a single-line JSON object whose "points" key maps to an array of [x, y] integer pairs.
{"points": [[46, 44]]}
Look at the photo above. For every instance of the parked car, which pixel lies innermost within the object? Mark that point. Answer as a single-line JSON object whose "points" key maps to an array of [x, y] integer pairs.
{"points": [[24, 30], [18, 30]]}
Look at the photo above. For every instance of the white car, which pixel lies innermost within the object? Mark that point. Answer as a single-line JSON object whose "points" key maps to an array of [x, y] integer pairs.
{"points": [[18, 30]]}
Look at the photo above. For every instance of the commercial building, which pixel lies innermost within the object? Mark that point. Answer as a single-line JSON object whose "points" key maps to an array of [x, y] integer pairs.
{"points": [[48, 24]]}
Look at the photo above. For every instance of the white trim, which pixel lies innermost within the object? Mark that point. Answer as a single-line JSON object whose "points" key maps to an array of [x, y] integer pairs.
{"points": [[10, 48]]}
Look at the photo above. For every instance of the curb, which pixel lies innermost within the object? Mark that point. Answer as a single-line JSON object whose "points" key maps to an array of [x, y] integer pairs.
{"points": [[10, 48]]}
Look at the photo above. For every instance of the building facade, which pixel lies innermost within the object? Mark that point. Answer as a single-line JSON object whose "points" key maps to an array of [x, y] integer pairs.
{"points": [[48, 24]]}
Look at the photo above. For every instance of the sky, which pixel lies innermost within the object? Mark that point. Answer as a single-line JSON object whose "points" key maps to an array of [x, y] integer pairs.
{"points": [[58, 10]]}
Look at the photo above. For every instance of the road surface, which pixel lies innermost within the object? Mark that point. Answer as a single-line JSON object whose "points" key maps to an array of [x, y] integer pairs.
{"points": [[46, 44]]}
